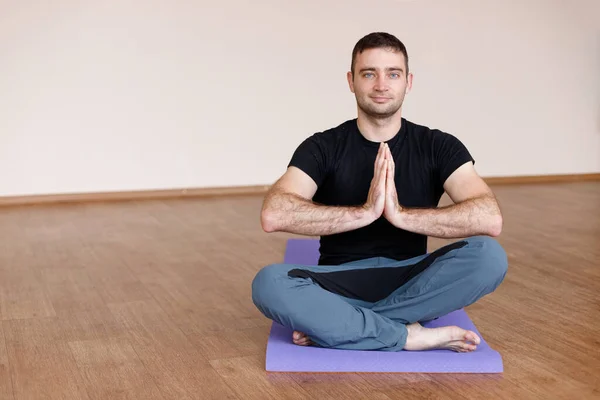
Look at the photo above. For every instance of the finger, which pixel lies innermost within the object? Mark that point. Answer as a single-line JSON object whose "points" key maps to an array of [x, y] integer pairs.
{"points": [[383, 174], [389, 177], [386, 155], [383, 155], [381, 163], [380, 154], [390, 183], [389, 157]]}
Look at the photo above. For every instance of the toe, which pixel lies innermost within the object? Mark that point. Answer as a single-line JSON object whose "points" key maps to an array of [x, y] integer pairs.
{"points": [[462, 347], [468, 347], [303, 342], [301, 339], [472, 337]]}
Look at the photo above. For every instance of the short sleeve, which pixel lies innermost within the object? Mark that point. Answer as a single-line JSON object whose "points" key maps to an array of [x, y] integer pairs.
{"points": [[449, 153], [311, 157]]}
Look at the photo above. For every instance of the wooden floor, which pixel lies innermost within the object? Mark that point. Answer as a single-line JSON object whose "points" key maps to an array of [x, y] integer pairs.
{"points": [[151, 300]]}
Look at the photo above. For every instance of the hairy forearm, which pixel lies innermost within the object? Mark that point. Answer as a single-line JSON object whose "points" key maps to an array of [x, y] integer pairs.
{"points": [[287, 212], [476, 216]]}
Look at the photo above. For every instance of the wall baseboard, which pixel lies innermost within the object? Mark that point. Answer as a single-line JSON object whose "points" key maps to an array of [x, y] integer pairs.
{"points": [[244, 191], [533, 179], [133, 195]]}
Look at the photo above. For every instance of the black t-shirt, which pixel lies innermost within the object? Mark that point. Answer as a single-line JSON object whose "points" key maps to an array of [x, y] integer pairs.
{"points": [[341, 162]]}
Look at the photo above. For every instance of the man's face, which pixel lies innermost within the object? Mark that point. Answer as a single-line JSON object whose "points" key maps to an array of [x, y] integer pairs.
{"points": [[379, 82]]}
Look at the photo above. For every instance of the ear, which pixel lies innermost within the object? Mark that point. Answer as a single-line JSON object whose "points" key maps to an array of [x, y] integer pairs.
{"points": [[350, 82], [409, 82]]}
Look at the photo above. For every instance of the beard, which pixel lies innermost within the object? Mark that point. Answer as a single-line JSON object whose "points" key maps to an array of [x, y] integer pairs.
{"points": [[379, 111]]}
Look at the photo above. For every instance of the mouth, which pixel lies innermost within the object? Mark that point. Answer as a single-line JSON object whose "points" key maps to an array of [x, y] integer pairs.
{"points": [[380, 99]]}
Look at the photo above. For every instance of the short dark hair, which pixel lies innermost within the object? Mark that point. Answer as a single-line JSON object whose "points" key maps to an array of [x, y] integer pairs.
{"points": [[378, 40]]}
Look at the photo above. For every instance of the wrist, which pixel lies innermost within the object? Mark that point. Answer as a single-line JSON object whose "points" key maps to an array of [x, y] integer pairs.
{"points": [[367, 214], [399, 217]]}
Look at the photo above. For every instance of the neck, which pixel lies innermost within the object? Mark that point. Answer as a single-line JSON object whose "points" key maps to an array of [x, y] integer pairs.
{"points": [[379, 129]]}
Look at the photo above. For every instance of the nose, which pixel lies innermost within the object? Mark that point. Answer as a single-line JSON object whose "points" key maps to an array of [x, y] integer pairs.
{"points": [[380, 84]]}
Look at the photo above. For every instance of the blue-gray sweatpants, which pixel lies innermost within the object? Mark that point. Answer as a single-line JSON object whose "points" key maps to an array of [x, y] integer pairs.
{"points": [[366, 304]]}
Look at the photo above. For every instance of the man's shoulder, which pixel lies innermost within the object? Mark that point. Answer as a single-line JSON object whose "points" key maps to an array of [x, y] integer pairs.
{"points": [[337, 132], [425, 137], [424, 132]]}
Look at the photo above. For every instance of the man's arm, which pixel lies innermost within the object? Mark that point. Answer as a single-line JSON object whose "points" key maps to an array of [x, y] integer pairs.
{"points": [[475, 212], [288, 206]]}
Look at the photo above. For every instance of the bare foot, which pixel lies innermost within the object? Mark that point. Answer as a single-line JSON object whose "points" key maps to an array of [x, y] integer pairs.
{"points": [[301, 339], [447, 337]]}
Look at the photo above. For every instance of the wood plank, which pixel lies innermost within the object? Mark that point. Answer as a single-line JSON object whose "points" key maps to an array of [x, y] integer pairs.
{"points": [[177, 367], [22, 294], [41, 362], [90, 325], [71, 290], [112, 370], [246, 377], [340, 386], [6, 387], [232, 343]]}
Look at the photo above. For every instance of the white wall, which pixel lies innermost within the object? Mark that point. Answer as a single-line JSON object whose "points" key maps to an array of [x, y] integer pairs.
{"points": [[127, 95]]}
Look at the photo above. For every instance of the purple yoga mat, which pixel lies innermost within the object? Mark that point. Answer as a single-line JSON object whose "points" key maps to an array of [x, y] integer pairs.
{"points": [[284, 356]]}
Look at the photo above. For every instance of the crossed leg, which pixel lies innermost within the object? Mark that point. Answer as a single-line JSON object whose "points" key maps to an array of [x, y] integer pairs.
{"points": [[365, 306]]}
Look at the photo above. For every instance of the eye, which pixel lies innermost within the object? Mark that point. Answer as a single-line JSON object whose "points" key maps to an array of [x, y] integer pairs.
{"points": [[394, 75], [368, 75]]}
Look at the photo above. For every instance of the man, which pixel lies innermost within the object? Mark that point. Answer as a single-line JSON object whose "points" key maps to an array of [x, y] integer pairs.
{"points": [[370, 188]]}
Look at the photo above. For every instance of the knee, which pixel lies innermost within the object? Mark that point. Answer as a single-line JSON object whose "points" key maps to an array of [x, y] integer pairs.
{"points": [[491, 260], [264, 284]]}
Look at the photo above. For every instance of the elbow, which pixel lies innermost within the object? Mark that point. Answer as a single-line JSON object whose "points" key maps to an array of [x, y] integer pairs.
{"points": [[496, 225], [268, 221]]}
